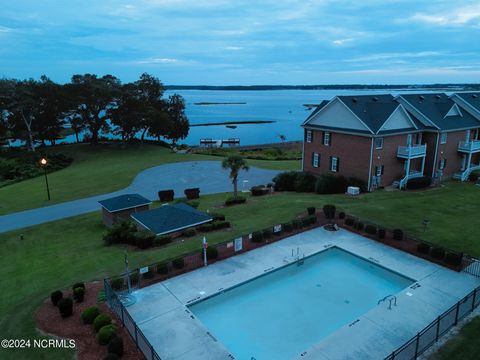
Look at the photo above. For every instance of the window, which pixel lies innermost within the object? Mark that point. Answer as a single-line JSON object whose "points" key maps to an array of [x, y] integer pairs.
{"points": [[442, 164], [378, 143], [379, 170], [409, 140], [334, 164], [326, 138], [309, 136], [315, 160], [443, 138]]}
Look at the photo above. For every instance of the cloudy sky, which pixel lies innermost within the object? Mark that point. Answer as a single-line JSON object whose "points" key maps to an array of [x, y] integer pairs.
{"points": [[218, 42]]}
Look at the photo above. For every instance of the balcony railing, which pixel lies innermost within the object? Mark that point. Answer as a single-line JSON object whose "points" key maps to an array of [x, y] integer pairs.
{"points": [[469, 146], [412, 151]]}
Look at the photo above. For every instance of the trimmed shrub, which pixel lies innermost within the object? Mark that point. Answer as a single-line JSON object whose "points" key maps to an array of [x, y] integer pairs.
{"points": [[349, 221], [106, 333], [166, 195], [397, 234], [189, 232], [359, 226], [419, 183], [341, 215], [474, 176], [178, 263], [162, 268], [144, 239], [205, 227], [115, 346], [232, 201], [65, 306], [110, 356], [79, 294], [423, 248], [437, 253], [221, 224], [287, 227], [453, 258], [297, 224], [353, 181], [162, 240], [304, 182], [371, 229], [117, 283], [89, 314], [212, 253], [150, 273], [78, 285], [381, 233], [259, 190], [257, 237], [100, 321], [267, 233], [192, 193], [122, 232], [285, 181], [312, 219], [217, 217], [55, 297], [190, 203], [311, 210], [331, 184], [329, 211]]}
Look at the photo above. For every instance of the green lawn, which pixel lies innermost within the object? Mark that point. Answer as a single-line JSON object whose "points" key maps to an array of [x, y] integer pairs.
{"points": [[101, 169], [57, 254], [464, 346]]}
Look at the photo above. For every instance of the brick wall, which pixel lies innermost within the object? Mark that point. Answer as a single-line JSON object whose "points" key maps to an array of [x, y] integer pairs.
{"points": [[387, 156], [449, 151], [353, 152], [110, 218]]}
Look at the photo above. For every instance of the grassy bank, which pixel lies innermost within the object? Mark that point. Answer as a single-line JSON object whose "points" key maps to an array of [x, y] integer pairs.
{"points": [[100, 169], [57, 254]]}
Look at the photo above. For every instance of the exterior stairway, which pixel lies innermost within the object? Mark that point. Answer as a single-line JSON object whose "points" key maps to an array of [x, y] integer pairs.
{"points": [[464, 175]]}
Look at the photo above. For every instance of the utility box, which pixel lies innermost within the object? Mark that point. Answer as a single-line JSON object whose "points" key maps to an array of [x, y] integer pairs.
{"points": [[353, 190]]}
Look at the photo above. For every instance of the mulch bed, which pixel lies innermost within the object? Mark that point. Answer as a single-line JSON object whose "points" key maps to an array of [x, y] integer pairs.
{"points": [[49, 321]]}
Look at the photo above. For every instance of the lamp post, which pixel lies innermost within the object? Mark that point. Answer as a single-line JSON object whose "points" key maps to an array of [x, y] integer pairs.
{"points": [[425, 224], [44, 163]]}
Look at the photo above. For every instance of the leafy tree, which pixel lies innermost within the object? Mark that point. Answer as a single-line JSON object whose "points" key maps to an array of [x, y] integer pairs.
{"points": [[94, 99], [178, 125], [235, 163]]}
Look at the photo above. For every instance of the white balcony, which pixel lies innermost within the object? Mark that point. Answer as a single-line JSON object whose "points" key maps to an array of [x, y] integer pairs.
{"points": [[411, 152], [469, 146]]}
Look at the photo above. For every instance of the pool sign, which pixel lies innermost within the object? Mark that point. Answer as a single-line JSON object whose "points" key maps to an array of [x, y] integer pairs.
{"points": [[277, 228], [144, 270], [238, 244], [205, 246]]}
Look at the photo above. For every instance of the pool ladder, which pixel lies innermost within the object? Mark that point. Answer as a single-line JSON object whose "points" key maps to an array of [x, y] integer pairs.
{"points": [[299, 261], [391, 299]]}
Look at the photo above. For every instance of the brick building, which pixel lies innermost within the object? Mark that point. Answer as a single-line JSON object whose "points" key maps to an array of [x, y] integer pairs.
{"points": [[386, 140], [121, 207]]}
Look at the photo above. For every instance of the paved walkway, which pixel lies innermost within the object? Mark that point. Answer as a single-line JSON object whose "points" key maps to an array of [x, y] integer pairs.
{"points": [[206, 175]]}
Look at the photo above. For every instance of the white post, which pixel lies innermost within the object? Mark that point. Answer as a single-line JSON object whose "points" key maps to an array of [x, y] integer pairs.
{"points": [[423, 164], [128, 273], [205, 245]]}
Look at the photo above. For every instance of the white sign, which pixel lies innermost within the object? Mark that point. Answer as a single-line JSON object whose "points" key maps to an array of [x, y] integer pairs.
{"points": [[238, 244], [144, 270], [277, 228]]}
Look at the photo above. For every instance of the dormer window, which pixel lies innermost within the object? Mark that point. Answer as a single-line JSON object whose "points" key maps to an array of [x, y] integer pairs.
{"points": [[379, 143], [443, 138]]}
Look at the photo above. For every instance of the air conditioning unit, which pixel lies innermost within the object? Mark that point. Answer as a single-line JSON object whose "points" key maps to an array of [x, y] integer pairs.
{"points": [[353, 190]]}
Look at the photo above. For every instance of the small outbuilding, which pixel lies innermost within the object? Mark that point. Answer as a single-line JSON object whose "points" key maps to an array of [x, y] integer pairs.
{"points": [[168, 219], [121, 207]]}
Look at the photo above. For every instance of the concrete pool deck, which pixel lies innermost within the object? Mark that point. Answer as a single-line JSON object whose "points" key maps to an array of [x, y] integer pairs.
{"points": [[161, 310]]}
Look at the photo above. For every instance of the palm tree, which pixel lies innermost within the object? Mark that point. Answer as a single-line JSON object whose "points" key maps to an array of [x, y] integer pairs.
{"points": [[235, 163]]}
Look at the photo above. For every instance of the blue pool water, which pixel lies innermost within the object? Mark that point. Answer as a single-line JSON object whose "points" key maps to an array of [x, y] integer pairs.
{"points": [[282, 314]]}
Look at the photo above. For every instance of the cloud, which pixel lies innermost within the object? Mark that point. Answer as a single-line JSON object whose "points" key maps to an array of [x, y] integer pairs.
{"points": [[158, 61], [233, 48], [4, 29], [395, 55], [456, 17]]}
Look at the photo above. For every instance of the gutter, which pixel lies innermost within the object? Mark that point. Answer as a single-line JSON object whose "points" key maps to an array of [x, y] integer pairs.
{"points": [[370, 165], [435, 157], [303, 151]]}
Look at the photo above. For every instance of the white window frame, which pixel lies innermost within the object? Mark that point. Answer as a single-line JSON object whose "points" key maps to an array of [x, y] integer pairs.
{"points": [[326, 135], [309, 136], [409, 139], [316, 160], [442, 164], [381, 143], [379, 170], [443, 138], [334, 164]]}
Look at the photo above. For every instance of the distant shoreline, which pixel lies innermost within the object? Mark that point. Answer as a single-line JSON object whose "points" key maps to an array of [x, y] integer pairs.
{"points": [[220, 103], [443, 87], [235, 123]]}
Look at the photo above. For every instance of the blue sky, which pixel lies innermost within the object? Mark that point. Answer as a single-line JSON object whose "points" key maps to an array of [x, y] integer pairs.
{"points": [[218, 42]]}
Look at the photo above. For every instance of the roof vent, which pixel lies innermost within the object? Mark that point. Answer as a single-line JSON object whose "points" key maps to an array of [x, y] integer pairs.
{"points": [[474, 96], [421, 97], [438, 97], [354, 100], [375, 99]]}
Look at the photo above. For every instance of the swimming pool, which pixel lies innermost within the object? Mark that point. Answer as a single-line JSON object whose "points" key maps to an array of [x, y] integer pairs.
{"points": [[282, 314]]}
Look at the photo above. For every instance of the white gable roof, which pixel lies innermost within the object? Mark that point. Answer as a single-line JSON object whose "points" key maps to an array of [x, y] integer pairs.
{"points": [[454, 111], [399, 119]]}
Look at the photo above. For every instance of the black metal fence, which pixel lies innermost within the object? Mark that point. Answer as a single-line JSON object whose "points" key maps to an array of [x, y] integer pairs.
{"points": [[430, 334], [140, 340]]}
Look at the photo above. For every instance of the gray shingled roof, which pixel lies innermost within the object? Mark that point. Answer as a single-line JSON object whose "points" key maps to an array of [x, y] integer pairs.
{"points": [[435, 106], [317, 109], [471, 98], [170, 218], [124, 202]]}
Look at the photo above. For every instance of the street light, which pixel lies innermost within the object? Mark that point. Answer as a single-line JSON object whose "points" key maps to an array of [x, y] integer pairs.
{"points": [[44, 163], [425, 224]]}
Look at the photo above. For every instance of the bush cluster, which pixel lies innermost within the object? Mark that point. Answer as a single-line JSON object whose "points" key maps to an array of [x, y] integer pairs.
{"points": [[453, 258], [89, 314], [162, 268], [329, 211], [423, 248], [337, 184], [79, 294], [419, 183], [115, 346], [259, 190], [341, 215], [212, 253], [65, 306], [371, 229], [437, 253], [474, 176], [178, 263], [287, 227], [122, 232], [217, 217], [233, 201], [162, 240], [106, 334], [359, 226], [350, 221], [100, 321], [267, 233], [189, 232], [397, 234], [382, 233], [55, 297], [257, 236], [216, 225]]}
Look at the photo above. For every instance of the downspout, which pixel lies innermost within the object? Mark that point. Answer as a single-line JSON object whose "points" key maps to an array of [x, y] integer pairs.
{"points": [[303, 149], [435, 157], [370, 165]]}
